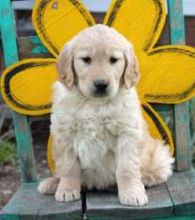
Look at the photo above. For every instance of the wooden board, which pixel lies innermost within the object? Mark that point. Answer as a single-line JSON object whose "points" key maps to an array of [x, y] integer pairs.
{"points": [[181, 187], [176, 199], [27, 203], [107, 206], [175, 218], [22, 132], [11, 217], [167, 114], [31, 46], [181, 111]]}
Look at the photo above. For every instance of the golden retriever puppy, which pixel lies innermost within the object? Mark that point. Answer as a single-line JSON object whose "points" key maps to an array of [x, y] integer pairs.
{"points": [[99, 134]]}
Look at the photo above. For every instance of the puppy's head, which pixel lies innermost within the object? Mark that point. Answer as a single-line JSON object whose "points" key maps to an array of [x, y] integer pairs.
{"points": [[98, 61]]}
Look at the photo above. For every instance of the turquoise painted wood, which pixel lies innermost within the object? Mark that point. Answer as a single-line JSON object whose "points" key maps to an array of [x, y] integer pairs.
{"points": [[165, 218], [22, 131], [28, 204], [11, 217], [181, 111], [39, 47], [176, 218]]}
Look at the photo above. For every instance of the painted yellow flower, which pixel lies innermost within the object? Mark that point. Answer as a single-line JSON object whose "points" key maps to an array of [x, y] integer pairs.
{"points": [[167, 72]]}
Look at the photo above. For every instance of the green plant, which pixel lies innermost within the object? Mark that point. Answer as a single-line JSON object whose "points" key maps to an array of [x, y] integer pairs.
{"points": [[7, 153]]}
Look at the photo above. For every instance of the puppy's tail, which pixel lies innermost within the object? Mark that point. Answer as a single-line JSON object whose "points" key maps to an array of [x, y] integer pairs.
{"points": [[158, 163]]}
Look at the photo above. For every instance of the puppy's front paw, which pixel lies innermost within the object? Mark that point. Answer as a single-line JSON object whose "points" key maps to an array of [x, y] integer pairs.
{"points": [[48, 186], [63, 195], [133, 196], [68, 189]]}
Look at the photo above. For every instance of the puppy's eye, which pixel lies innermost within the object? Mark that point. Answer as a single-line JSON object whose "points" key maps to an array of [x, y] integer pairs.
{"points": [[113, 60], [86, 60]]}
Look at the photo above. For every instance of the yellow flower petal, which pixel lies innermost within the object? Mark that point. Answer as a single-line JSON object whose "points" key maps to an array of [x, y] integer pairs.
{"points": [[167, 75], [141, 21], [168, 72], [157, 127], [56, 22], [50, 161], [26, 86]]}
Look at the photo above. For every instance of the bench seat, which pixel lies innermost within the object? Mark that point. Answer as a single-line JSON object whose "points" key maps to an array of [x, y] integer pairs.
{"points": [[28, 204], [175, 198]]}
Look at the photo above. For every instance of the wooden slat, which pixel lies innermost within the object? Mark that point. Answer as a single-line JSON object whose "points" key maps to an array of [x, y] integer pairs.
{"points": [[176, 218], [27, 203], [182, 133], [181, 187], [24, 148], [107, 206], [182, 129], [31, 46], [10, 217], [167, 113], [24, 142], [162, 107]]}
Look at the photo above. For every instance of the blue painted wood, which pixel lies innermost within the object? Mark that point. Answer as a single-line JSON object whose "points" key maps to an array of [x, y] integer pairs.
{"points": [[28, 204], [175, 218], [22, 131], [181, 111], [165, 218], [10, 217]]}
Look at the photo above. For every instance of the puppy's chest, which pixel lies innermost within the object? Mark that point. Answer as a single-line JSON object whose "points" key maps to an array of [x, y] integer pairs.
{"points": [[95, 137], [95, 123]]}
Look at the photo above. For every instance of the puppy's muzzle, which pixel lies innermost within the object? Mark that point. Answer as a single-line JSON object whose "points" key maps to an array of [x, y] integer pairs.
{"points": [[101, 88]]}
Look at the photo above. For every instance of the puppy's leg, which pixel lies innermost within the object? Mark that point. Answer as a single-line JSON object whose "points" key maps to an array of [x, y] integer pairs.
{"points": [[68, 170], [157, 163], [130, 187], [48, 186]]}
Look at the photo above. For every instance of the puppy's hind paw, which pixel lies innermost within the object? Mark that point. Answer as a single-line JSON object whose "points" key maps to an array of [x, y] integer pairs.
{"points": [[48, 186]]}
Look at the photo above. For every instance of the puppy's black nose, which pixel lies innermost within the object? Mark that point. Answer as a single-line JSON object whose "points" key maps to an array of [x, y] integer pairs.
{"points": [[101, 86]]}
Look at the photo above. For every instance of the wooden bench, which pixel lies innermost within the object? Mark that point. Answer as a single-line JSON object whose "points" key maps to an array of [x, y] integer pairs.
{"points": [[173, 200]]}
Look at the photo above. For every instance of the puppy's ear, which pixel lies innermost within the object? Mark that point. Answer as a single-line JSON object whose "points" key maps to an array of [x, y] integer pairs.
{"points": [[131, 72], [65, 67]]}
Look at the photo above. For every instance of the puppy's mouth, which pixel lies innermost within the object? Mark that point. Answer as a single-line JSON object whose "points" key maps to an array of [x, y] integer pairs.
{"points": [[100, 94]]}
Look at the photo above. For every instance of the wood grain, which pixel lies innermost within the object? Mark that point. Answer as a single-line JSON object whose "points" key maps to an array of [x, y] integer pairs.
{"points": [[181, 187], [181, 111], [27, 203], [107, 205], [23, 137]]}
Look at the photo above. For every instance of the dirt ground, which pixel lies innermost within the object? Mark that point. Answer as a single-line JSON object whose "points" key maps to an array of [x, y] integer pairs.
{"points": [[9, 182], [10, 176]]}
